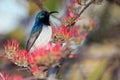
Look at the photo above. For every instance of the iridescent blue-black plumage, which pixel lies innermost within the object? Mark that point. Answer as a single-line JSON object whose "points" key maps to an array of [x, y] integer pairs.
{"points": [[42, 20]]}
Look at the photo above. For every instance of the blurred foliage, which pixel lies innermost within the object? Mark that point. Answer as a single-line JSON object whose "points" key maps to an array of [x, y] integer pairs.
{"points": [[33, 7], [96, 62], [95, 75], [109, 27], [19, 35], [52, 5]]}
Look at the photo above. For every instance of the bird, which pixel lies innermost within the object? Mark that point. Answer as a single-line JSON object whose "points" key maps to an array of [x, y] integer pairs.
{"points": [[41, 31]]}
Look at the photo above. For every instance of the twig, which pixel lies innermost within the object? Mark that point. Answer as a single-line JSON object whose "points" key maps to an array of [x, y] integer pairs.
{"points": [[82, 10]]}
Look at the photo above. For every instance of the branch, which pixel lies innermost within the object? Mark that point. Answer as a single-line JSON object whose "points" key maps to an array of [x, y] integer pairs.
{"points": [[82, 10]]}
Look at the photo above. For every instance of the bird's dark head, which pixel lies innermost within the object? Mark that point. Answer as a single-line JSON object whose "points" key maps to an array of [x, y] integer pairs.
{"points": [[43, 17]]}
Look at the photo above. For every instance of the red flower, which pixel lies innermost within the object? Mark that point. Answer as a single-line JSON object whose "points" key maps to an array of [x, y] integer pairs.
{"points": [[17, 77], [11, 48], [77, 1], [92, 23], [55, 51], [21, 59], [37, 72], [46, 55], [69, 17], [17, 56], [31, 59], [62, 34], [70, 14], [54, 48], [5, 76]]}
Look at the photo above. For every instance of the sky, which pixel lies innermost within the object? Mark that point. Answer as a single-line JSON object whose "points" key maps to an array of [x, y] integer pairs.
{"points": [[11, 12]]}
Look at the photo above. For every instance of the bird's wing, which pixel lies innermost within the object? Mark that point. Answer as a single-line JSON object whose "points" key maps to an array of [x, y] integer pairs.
{"points": [[32, 39]]}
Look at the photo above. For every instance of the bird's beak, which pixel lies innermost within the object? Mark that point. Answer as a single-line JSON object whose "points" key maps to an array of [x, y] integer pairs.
{"points": [[52, 12]]}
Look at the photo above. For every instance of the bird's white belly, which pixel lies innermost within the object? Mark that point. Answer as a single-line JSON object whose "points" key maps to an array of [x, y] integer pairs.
{"points": [[43, 38]]}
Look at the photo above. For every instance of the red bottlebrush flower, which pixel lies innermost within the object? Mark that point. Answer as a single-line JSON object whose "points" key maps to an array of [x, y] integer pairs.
{"points": [[73, 2], [55, 48], [55, 51], [41, 56], [77, 1], [62, 34], [17, 77], [92, 24], [40, 52], [31, 59], [37, 72], [69, 17], [70, 14], [21, 59], [11, 48], [5, 76], [46, 55], [17, 56]]}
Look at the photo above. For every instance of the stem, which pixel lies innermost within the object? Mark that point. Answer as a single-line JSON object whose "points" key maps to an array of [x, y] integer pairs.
{"points": [[82, 10]]}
